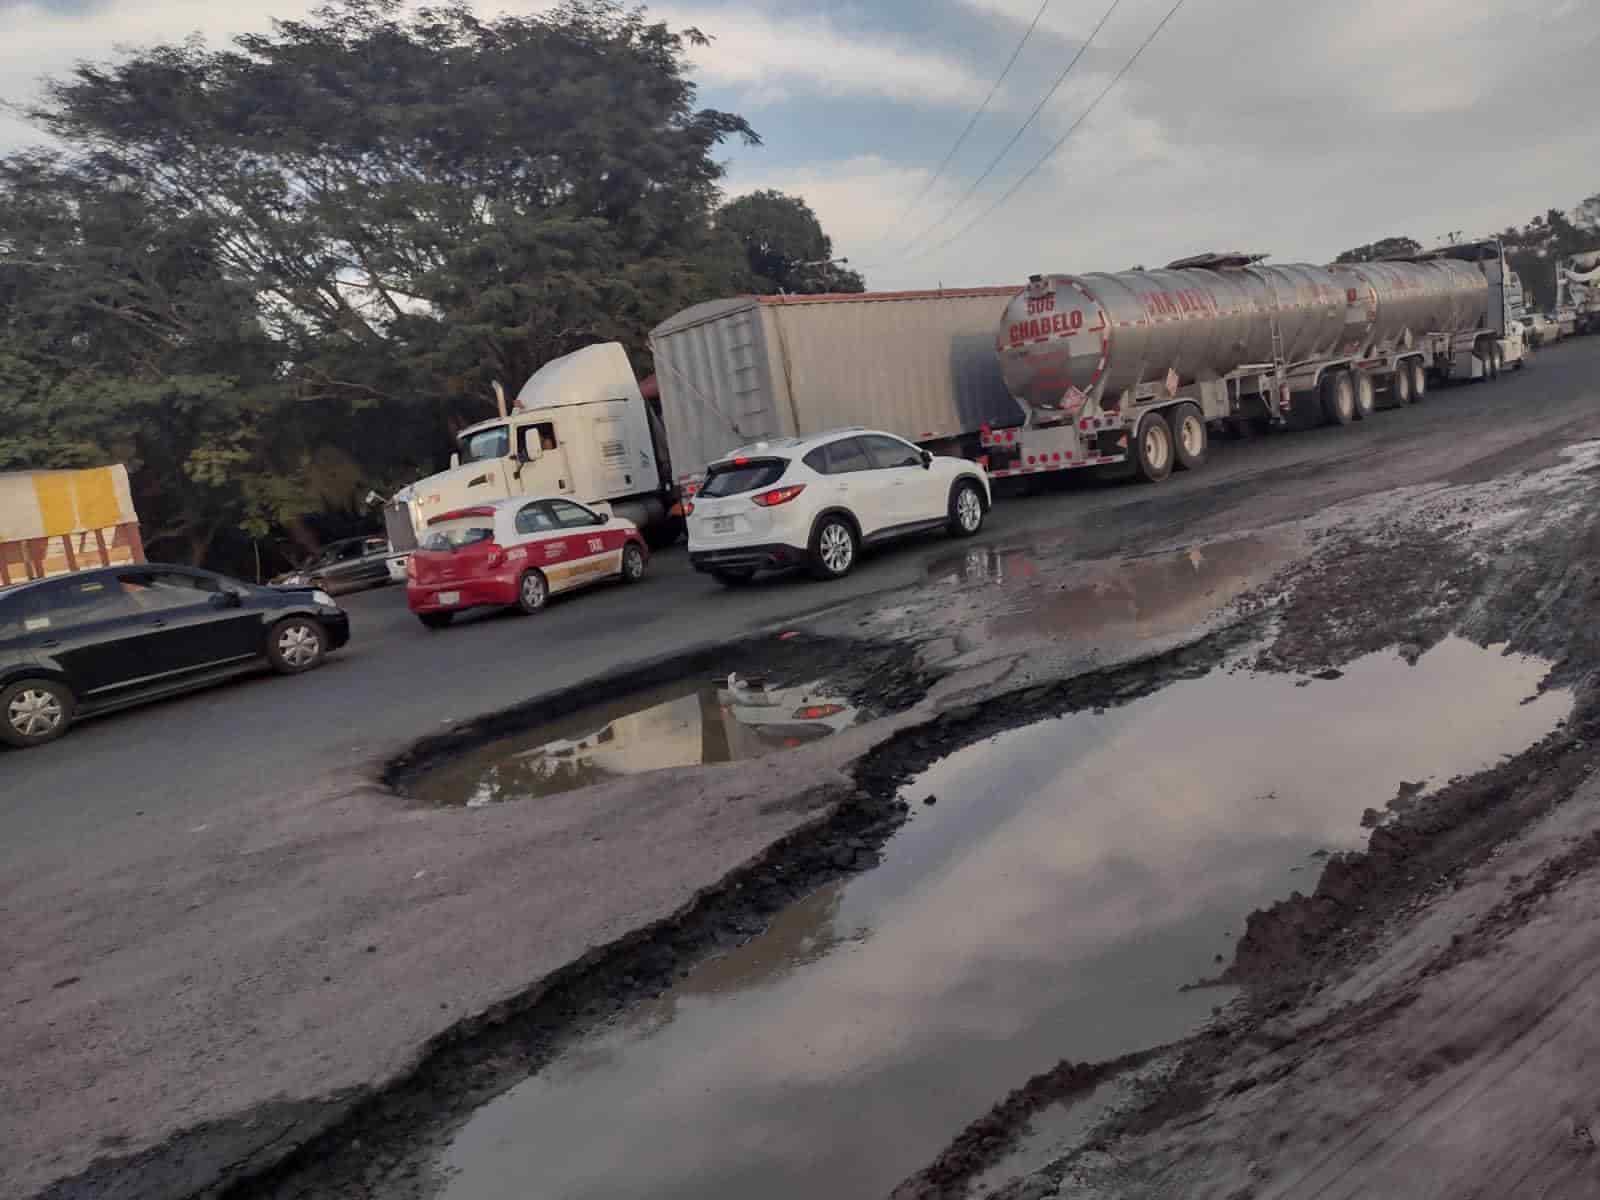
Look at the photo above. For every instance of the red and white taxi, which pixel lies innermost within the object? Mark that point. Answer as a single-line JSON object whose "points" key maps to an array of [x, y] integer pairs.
{"points": [[517, 553]]}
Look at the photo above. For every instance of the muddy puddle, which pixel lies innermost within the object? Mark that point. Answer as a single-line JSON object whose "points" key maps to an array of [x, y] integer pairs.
{"points": [[1118, 598], [1070, 878], [684, 724]]}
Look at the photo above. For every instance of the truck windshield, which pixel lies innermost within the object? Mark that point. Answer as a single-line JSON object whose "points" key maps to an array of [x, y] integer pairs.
{"points": [[494, 442], [733, 478]]}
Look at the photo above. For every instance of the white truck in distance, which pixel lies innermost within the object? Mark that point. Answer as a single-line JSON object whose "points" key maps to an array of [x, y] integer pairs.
{"points": [[1578, 290], [1134, 368], [578, 428]]}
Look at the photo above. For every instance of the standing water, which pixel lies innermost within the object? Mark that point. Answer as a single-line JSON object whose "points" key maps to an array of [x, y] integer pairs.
{"points": [[1073, 875]]}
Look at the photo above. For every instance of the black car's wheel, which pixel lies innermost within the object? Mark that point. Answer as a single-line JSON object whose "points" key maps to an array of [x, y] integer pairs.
{"points": [[34, 711], [632, 563], [734, 578], [296, 644], [533, 590], [833, 548], [435, 620], [966, 509]]}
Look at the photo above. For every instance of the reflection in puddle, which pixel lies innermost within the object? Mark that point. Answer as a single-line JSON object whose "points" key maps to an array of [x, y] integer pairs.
{"points": [[1137, 597], [682, 725], [1072, 876]]}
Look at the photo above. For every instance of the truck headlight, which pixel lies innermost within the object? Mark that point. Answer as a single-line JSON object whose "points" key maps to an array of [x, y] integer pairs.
{"points": [[321, 597]]}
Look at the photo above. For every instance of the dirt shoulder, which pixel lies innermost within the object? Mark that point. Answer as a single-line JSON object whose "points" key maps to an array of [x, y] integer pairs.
{"points": [[1420, 1023]]}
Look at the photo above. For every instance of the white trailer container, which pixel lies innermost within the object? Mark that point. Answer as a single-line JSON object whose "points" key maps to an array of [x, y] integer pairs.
{"points": [[919, 364], [1134, 367]]}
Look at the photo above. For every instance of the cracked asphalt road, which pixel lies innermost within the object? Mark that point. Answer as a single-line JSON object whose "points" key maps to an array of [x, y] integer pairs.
{"points": [[100, 833]]}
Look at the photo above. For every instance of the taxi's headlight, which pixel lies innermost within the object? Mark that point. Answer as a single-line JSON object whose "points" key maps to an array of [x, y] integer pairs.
{"points": [[322, 597]]}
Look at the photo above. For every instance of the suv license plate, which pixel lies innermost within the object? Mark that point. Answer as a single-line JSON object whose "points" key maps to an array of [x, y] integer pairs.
{"points": [[721, 524], [448, 598]]}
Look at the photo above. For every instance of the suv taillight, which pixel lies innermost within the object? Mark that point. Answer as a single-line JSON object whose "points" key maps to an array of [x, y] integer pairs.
{"points": [[778, 495]]}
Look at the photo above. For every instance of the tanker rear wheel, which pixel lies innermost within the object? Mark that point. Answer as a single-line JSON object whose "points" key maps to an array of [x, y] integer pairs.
{"points": [[1152, 448], [1366, 398], [1419, 381], [1400, 385], [1338, 398], [1189, 441]]}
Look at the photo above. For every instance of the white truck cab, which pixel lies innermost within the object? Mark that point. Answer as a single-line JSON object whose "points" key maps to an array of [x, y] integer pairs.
{"points": [[578, 428]]}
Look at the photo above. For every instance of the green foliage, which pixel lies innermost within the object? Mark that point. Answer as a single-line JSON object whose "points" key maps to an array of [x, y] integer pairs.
{"points": [[1389, 247], [272, 276], [784, 246]]}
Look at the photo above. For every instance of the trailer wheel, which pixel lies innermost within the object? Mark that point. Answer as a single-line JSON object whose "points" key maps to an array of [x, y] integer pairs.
{"points": [[1366, 396], [1152, 448], [1338, 398], [1497, 360], [1419, 381], [1189, 440], [1400, 385]]}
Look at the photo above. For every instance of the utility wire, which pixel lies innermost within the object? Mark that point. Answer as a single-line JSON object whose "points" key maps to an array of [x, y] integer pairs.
{"points": [[1021, 129], [1048, 154], [971, 122]]}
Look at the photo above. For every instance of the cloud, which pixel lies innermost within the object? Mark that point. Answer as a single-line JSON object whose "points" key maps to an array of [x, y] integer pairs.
{"points": [[1286, 126], [768, 58]]}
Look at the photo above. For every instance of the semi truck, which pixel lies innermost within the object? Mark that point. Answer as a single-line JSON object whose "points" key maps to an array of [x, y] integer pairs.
{"points": [[1132, 369], [578, 427], [919, 364], [1578, 290]]}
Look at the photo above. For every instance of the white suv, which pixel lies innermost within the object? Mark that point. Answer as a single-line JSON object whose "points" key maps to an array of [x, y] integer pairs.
{"points": [[816, 501]]}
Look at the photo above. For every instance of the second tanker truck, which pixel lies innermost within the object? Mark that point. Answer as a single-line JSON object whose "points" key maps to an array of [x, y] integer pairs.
{"points": [[1134, 368]]}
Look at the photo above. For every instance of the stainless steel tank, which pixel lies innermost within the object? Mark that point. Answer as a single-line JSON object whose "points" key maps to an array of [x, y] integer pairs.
{"points": [[1207, 316]]}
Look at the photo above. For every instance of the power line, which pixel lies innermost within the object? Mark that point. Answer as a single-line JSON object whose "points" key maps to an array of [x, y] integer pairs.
{"points": [[1048, 154], [1021, 129], [973, 120]]}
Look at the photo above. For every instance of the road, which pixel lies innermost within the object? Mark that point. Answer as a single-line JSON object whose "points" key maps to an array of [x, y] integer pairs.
{"points": [[93, 827], [396, 681]]}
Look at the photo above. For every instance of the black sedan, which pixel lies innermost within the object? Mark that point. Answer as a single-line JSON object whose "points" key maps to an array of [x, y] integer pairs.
{"points": [[83, 644], [345, 566]]}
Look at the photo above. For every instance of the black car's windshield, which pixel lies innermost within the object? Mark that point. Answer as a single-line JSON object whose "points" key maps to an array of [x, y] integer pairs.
{"points": [[494, 442]]}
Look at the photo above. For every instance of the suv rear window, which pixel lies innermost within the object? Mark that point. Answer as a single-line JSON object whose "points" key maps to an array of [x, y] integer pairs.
{"points": [[733, 479]]}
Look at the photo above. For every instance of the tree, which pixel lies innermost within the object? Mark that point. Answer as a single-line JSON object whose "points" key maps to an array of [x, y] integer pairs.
{"points": [[427, 201], [784, 246], [121, 340], [1389, 247]]}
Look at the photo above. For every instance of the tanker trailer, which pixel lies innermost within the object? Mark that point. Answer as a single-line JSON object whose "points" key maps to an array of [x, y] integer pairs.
{"points": [[1135, 367], [1578, 290]]}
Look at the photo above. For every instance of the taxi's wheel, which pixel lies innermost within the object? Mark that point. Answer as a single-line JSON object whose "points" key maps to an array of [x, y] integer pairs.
{"points": [[435, 620], [632, 563], [532, 591]]}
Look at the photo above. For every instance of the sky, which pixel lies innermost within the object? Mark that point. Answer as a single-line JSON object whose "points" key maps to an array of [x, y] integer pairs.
{"points": [[1291, 127]]}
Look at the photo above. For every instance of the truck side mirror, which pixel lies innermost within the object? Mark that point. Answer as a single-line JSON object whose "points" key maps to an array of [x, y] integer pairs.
{"points": [[927, 459], [455, 461]]}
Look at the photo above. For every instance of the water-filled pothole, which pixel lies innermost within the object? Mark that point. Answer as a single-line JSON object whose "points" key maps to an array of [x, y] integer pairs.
{"points": [[1071, 877], [683, 724]]}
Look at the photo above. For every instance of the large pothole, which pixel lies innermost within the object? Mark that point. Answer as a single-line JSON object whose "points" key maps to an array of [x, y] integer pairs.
{"points": [[1072, 875]]}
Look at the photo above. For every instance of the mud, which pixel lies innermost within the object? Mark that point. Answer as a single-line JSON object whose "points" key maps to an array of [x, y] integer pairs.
{"points": [[1510, 561], [1073, 875]]}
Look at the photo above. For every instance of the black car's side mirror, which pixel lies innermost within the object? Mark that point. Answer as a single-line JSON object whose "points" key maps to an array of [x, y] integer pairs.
{"points": [[927, 459], [226, 600]]}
